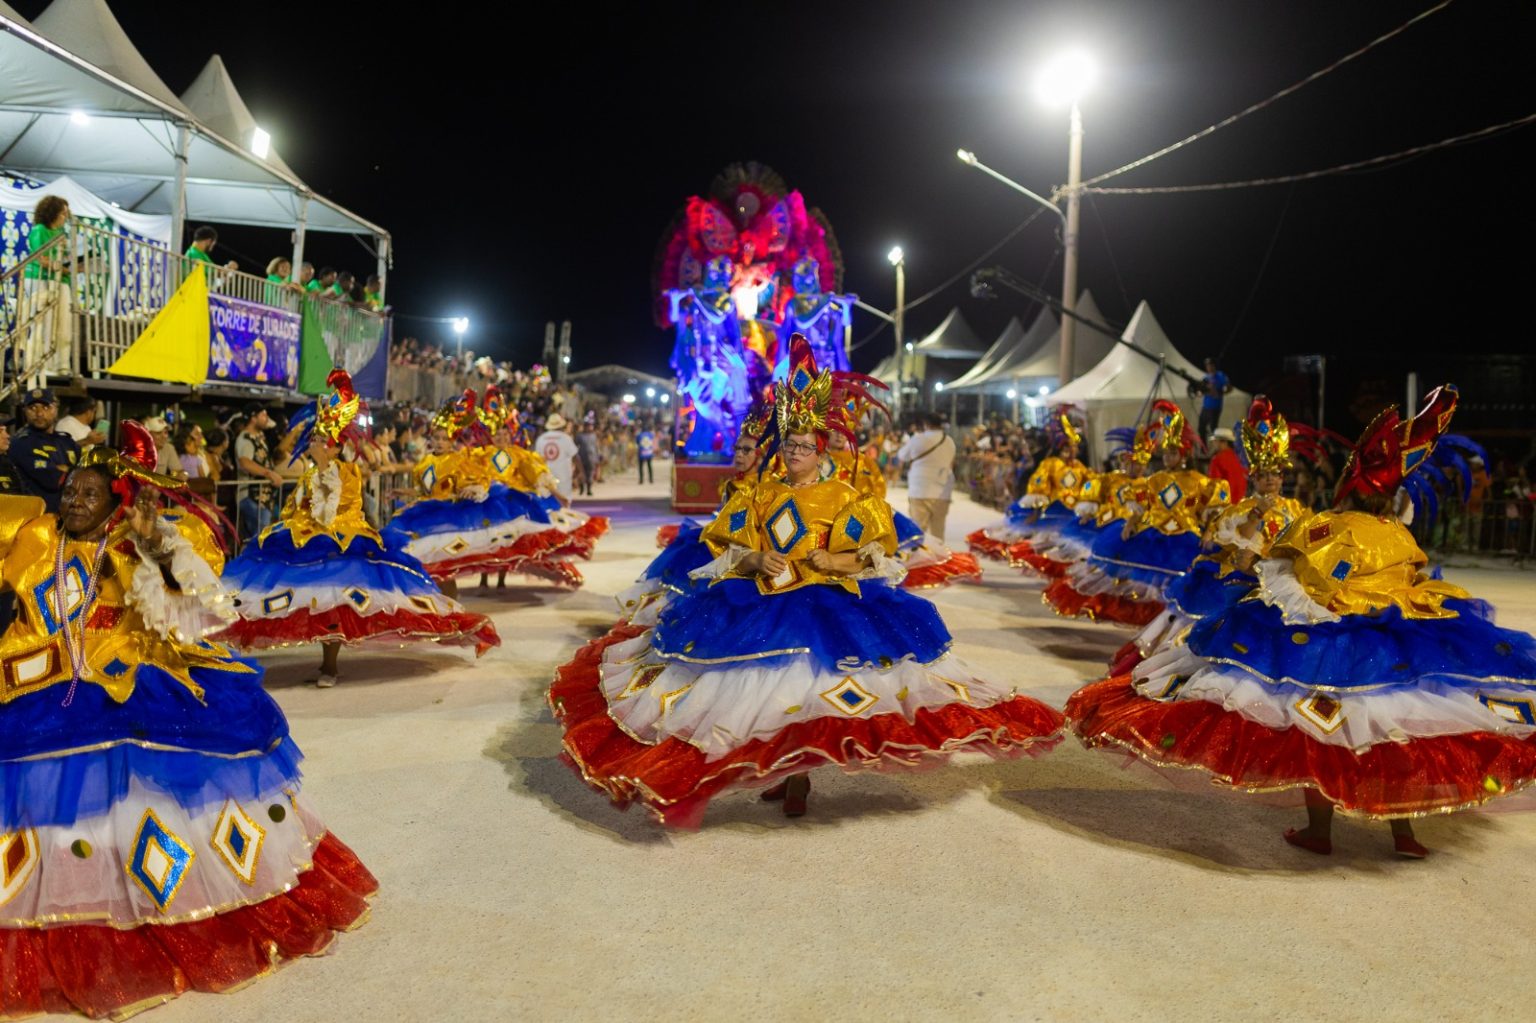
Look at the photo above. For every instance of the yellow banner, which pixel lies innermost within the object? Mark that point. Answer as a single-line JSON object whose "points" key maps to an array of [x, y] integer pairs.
{"points": [[174, 347]]}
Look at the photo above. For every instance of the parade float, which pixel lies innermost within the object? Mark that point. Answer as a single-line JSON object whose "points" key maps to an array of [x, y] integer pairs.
{"points": [[738, 271]]}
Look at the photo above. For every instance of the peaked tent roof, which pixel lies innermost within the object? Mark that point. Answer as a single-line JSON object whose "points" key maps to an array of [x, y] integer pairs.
{"points": [[1033, 345], [7, 11], [1089, 346], [1005, 343], [88, 29], [951, 339], [1116, 390], [213, 98], [125, 151]]}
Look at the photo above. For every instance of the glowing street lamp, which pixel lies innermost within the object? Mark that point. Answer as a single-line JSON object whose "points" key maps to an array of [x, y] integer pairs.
{"points": [[261, 143], [650, 392], [629, 399], [460, 325]]}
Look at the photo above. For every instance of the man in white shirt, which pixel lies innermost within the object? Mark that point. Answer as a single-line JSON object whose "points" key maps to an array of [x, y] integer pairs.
{"points": [[79, 422], [558, 450], [929, 455]]}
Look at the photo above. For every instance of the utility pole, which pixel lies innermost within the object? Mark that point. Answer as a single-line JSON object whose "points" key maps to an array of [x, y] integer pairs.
{"points": [[898, 259], [548, 356], [1069, 248], [564, 364]]}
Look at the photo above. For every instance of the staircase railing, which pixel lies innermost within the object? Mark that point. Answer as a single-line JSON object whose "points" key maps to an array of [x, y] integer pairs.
{"points": [[36, 318]]}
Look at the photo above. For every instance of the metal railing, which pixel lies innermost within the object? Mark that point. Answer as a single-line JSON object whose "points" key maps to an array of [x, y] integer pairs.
{"points": [[35, 307], [119, 282]]}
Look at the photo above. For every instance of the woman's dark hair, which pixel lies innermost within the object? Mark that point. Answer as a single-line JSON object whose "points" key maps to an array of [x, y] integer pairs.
{"points": [[183, 438], [214, 437], [48, 209]]}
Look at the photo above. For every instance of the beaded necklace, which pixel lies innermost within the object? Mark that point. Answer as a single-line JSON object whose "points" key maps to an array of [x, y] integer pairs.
{"points": [[74, 639]]}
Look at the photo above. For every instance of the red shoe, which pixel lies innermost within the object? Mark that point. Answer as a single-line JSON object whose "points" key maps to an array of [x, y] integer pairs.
{"points": [[1321, 846], [1408, 848], [796, 789], [774, 794]]}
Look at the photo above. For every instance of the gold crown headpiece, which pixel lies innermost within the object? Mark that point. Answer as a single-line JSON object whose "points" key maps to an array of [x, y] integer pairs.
{"points": [[1266, 438]]}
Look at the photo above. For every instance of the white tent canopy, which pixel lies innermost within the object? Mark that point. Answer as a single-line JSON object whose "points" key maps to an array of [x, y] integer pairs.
{"points": [[1089, 346], [77, 99], [154, 226], [212, 97], [1004, 346], [951, 339], [1029, 347], [1117, 391]]}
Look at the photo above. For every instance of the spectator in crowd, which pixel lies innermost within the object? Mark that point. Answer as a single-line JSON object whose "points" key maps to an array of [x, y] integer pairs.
{"points": [[1225, 465], [191, 455], [929, 455], [558, 450], [215, 451], [253, 500], [645, 448], [323, 283], [373, 293], [167, 458], [342, 288], [79, 421], [587, 452], [10, 483], [306, 276], [201, 250], [44, 280], [1213, 391], [279, 270], [41, 454], [49, 218]]}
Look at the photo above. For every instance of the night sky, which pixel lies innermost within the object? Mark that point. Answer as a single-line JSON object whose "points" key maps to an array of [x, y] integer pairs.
{"points": [[527, 166]]}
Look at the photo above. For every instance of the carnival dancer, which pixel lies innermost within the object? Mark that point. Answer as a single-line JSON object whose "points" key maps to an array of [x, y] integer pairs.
{"points": [[1126, 574], [1106, 498], [1046, 505], [548, 533], [800, 652], [1240, 535], [153, 835], [668, 573], [1351, 673], [322, 574]]}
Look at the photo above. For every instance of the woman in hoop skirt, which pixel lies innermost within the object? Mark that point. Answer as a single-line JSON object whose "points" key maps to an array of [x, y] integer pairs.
{"points": [[799, 652], [154, 838]]}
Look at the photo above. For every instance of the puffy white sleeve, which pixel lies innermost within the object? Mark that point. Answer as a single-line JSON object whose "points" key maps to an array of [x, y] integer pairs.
{"points": [[722, 566], [325, 497], [198, 606], [1279, 587]]}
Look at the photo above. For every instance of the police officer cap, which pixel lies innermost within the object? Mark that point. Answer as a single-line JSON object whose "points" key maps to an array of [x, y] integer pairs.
{"points": [[39, 396]]}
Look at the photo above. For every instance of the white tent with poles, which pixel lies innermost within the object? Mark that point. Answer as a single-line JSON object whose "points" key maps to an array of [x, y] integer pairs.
{"points": [[1119, 389], [77, 99]]}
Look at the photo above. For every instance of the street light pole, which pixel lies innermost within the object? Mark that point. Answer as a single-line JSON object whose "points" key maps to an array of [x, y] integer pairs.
{"points": [[1069, 247], [898, 260]]}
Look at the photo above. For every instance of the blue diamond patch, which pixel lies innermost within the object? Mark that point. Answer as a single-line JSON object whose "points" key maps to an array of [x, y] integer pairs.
{"points": [[738, 520], [854, 529], [114, 668], [45, 599], [785, 527], [801, 380], [159, 861], [1170, 495], [236, 840], [850, 697], [1341, 570]]}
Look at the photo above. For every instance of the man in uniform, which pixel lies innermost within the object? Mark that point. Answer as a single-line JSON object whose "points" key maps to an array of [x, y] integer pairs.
{"points": [[41, 454]]}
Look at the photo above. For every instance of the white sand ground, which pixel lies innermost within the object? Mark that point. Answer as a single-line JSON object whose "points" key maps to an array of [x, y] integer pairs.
{"points": [[1065, 888]]}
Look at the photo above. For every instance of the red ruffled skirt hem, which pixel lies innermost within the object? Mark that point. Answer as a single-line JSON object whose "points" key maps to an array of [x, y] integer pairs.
{"points": [[666, 534], [1437, 774], [344, 625], [1023, 555], [988, 547], [529, 554], [958, 567], [104, 971], [675, 780], [1101, 607]]}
